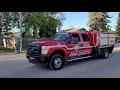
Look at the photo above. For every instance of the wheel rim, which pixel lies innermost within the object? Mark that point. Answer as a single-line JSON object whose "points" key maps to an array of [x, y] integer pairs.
{"points": [[57, 62], [106, 53]]}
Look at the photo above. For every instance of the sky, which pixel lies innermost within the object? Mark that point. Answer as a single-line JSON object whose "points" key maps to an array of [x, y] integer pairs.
{"points": [[80, 19]]}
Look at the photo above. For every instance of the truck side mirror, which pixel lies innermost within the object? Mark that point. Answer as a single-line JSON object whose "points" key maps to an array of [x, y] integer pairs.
{"points": [[69, 42]]}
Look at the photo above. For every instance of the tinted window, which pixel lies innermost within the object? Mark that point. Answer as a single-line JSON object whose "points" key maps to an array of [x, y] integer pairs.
{"points": [[85, 37], [74, 39]]}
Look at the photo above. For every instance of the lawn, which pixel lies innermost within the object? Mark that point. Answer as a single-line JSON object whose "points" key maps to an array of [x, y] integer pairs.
{"points": [[8, 50]]}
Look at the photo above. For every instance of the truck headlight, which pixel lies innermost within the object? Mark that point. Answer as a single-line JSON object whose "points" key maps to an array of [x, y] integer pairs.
{"points": [[45, 49]]}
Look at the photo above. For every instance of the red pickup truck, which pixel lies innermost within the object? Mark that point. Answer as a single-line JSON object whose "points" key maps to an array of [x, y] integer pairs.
{"points": [[68, 46]]}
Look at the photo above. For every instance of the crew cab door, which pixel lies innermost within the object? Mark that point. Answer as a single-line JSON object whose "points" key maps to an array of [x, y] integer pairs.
{"points": [[72, 47], [85, 49]]}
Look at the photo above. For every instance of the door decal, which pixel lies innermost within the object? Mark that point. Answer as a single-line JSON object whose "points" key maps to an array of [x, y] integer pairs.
{"points": [[81, 53]]}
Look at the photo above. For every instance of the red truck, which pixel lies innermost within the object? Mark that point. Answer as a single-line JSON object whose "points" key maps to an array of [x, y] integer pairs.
{"points": [[68, 46]]}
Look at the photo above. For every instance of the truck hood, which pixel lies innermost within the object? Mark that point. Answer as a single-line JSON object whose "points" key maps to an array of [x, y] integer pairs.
{"points": [[48, 43]]}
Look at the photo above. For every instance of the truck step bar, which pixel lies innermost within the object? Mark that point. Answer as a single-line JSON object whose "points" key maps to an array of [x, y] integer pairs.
{"points": [[79, 58]]}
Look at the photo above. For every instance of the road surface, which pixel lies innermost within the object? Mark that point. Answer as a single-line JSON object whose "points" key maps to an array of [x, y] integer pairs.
{"points": [[17, 66]]}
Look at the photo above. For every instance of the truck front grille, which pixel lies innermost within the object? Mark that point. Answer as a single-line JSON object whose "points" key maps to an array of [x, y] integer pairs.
{"points": [[34, 50]]}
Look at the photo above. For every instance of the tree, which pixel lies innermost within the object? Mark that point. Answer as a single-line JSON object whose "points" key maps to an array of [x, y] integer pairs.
{"points": [[36, 24], [47, 22], [20, 26], [99, 21], [118, 25], [5, 21], [0, 29]]}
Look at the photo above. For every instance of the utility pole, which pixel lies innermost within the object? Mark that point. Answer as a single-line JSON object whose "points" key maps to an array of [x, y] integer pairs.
{"points": [[20, 26]]}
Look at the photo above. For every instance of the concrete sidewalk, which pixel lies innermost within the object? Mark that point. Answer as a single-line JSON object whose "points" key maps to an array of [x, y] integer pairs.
{"points": [[5, 53], [12, 56]]}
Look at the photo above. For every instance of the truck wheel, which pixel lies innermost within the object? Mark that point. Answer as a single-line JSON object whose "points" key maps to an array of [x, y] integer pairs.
{"points": [[56, 62], [106, 53]]}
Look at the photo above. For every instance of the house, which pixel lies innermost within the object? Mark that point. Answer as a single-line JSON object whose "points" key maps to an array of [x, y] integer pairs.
{"points": [[17, 35], [74, 29]]}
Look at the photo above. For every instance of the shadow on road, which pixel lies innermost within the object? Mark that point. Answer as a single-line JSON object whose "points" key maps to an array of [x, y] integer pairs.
{"points": [[80, 61], [72, 63], [27, 66]]}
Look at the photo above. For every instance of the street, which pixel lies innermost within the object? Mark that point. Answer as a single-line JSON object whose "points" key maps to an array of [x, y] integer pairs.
{"points": [[17, 66]]}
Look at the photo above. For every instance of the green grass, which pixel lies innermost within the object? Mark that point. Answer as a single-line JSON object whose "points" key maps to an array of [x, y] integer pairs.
{"points": [[23, 51], [8, 50]]}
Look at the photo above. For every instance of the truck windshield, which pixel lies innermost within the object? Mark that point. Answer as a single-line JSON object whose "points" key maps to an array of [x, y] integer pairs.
{"points": [[60, 37]]}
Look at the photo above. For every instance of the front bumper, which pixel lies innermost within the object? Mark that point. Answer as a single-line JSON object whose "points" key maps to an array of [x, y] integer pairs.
{"points": [[41, 59]]}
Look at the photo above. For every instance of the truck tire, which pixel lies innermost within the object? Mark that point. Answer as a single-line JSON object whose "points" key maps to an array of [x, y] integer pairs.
{"points": [[106, 53], [56, 62], [95, 53]]}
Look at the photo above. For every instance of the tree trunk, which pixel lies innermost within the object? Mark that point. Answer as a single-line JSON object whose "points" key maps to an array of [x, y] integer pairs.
{"points": [[20, 25]]}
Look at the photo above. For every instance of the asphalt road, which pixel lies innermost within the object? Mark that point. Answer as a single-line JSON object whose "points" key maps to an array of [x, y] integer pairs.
{"points": [[17, 66]]}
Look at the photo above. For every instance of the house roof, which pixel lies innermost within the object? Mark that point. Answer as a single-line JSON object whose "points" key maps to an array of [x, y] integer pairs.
{"points": [[74, 29]]}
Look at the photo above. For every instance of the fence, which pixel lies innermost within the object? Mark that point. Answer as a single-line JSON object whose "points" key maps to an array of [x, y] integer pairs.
{"points": [[26, 41], [1, 41], [10, 42], [7, 42]]}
